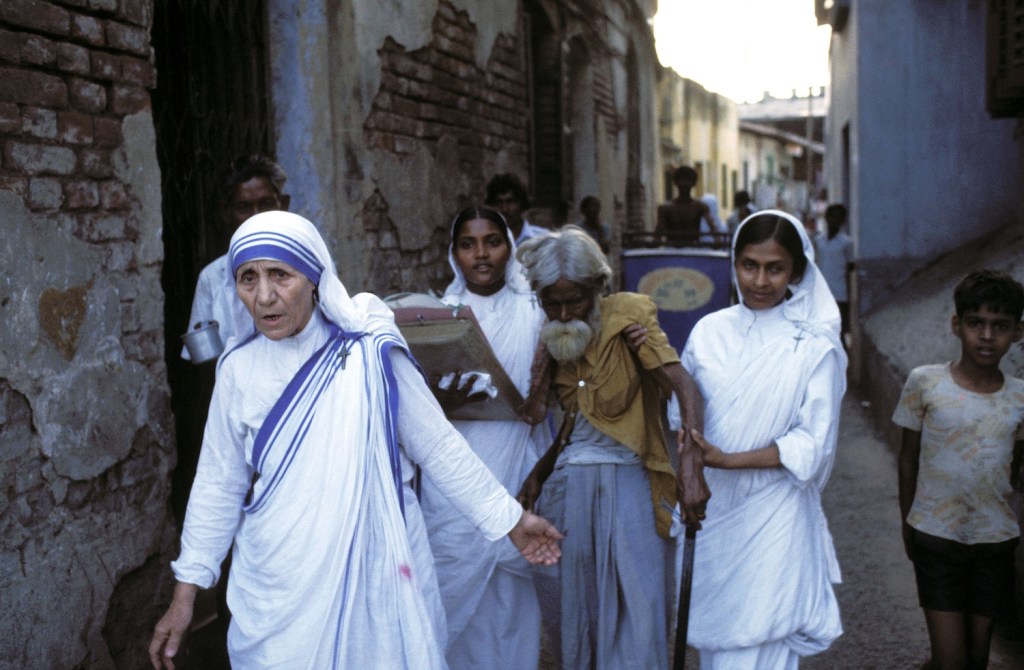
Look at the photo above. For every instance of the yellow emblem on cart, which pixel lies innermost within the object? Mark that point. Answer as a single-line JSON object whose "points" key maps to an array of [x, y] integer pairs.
{"points": [[677, 289]]}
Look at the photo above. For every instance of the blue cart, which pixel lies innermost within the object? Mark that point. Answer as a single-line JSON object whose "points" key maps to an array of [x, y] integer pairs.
{"points": [[685, 283]]}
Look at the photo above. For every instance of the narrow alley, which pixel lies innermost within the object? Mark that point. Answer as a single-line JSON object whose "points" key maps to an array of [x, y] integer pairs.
{"points": [[883, 626]]}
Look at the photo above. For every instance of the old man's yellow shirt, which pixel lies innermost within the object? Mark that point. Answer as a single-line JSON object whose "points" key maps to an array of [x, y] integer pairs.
{"points": [[608, 388]]}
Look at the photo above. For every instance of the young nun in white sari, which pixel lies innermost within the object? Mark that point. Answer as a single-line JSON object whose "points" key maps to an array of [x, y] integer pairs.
{"points": [[772, 372], [305, 467], [487, 587]]}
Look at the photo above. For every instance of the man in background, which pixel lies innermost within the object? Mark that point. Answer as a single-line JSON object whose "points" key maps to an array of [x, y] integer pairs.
{"points": [[507, 194], [251, 184]]}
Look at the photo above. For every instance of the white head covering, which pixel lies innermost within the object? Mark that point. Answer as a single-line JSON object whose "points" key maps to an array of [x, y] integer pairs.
{"points": [[289, 238], [515, 277], [811, 306]]}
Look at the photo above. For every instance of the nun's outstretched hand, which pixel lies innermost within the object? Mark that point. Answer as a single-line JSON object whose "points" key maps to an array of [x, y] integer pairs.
{"points": [[536, 539]]}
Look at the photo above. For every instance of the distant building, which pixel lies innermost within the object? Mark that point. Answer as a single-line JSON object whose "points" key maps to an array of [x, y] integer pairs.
{"points": [[698, 128], [782, 149], [911, 149], [924, 147]]}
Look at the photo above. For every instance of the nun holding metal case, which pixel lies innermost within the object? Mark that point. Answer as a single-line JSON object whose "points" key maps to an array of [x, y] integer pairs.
{"points": [[487, 588]]}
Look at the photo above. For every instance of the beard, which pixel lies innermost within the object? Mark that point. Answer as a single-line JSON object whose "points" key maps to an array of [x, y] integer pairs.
{"points": [[566, 341]]}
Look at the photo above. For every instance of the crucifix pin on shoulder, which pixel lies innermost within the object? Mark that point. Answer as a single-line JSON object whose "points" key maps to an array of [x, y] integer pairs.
{"points": [[797, 339], [344, 351]]}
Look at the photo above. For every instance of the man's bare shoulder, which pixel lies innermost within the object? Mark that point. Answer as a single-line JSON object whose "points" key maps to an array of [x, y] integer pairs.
{"points": [[683, 211]]}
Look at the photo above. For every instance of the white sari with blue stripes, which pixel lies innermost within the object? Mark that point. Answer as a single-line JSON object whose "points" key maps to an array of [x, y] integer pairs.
{"points": [[323, 575], [301, 469]]}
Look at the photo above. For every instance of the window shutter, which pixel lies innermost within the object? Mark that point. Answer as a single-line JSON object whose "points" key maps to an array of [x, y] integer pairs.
{"points": [[1005, 58]]}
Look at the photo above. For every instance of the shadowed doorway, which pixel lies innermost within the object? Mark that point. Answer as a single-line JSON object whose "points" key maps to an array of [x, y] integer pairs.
{"points": [[210, 106]]}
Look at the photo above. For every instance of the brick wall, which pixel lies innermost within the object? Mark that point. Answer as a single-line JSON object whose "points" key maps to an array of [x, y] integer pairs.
{"points": [[85, 431], [439, 90], [69, 74], [429, 94]]}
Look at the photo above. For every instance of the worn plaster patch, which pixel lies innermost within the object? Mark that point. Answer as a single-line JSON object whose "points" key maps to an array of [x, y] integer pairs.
{"points": [[61, 314], [88, 414]]}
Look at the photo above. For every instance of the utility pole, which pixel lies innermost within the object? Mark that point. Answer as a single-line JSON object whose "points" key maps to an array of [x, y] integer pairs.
{"points": [[807, 150]]}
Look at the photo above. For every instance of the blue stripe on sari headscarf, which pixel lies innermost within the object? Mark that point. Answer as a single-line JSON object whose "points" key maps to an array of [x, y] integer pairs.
{"points": [[266, 245], [272, 235]]}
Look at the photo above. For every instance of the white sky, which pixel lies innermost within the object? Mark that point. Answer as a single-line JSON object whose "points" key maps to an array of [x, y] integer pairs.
{"points": [[742, 48]]}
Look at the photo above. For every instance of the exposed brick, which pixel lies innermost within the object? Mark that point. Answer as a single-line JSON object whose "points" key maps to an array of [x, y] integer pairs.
{"points": [[453, 47], [406, 145], [96, 163], [407, 67], [138, 12], [102, 227], [36, 15], [81, 194], [32, 88], [87, 29], [15, 184], [128, 100], [138, 71], [130, 322], [39, 122], [119, 257], [416, 89], [382, 101], [105, 66], [45, 193], [395, 124], [127, 38], [87, 96], [36, 50], [10, 118], [38, 159], [10, 46], [143, 347], [404, 107], [73, 58], [75, 127], [107, 132], [103, 5], [379, 142], [114, 196]]}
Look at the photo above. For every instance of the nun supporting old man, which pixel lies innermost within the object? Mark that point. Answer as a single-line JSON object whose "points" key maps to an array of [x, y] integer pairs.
{"points": [[772, 372], [316, 419]]}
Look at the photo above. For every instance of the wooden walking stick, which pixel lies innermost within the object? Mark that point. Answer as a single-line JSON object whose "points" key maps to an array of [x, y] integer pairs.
{"points": [[685, 582]]}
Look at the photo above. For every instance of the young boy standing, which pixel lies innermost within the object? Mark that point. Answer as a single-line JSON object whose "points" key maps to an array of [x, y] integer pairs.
{"points": [[963, 425]]}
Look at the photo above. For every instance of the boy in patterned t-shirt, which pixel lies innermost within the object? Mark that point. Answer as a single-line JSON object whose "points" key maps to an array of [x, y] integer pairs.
{"points": [[963, 425]]}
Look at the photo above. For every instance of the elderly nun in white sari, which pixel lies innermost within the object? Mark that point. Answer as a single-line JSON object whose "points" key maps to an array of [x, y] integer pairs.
{"points": [[305, 467], [772, 371], [487, 587]]}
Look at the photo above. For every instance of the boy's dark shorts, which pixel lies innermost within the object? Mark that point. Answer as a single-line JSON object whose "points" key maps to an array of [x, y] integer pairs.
{"points": [[971, 578]]}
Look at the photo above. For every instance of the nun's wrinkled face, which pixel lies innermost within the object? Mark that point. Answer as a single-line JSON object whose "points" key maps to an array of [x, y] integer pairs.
{"points": [[279, 297]]}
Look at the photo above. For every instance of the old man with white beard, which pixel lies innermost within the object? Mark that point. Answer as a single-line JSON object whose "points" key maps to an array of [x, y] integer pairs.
{"points": [[607, 481]]}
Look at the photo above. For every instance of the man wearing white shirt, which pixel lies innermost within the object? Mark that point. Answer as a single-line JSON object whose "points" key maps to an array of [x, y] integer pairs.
{"points": [[252, 184], [507, 194], [835, 260]]}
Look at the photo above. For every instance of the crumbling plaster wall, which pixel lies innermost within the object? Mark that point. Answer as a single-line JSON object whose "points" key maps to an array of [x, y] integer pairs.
{"points": [[377, 112], [390, 116], [86, 442]]}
